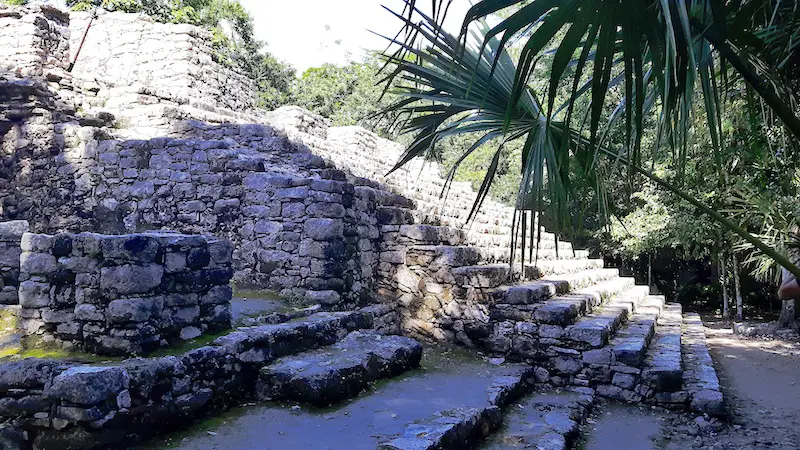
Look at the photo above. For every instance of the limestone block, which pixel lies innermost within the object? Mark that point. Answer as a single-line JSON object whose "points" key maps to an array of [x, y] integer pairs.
{"points": [[34, 294], [323, 229], [85, 385], [129, 279], [13, 230], [38, 263], [132, 248], [217, 295], [132, 309], [323, 297]]}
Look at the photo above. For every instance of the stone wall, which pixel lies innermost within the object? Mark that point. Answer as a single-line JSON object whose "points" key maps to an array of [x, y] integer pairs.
{"points": [[33, 39], [126, 294], [42, 138], [10, 250], [365, 154], [299, 227], [130, 49]]}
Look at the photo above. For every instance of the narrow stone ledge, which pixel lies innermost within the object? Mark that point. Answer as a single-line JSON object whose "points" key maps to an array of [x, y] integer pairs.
{"points": [[700, 377], [330, 375]]}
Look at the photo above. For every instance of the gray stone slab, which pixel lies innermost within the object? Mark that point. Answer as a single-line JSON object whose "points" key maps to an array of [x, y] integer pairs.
{"points": [[329, 375]]}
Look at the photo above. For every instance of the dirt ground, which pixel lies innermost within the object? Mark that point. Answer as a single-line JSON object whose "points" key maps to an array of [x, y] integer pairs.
{"points": [[761, 383]]}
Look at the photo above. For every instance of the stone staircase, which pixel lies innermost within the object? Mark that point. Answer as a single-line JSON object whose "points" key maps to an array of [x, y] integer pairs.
{"points": [[579, 330]]}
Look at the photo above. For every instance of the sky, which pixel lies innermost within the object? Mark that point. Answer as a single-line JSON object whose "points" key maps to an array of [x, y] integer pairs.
{"points": [[309, 33]]}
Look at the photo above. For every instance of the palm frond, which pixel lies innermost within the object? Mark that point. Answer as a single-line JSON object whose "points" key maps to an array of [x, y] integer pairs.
{"points": [[656, 50]]}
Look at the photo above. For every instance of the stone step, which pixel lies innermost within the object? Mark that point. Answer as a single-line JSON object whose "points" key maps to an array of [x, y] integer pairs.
{"points": [[662, 371], [384, 197], [430, 234], [463, 428], [499, 251], [549, 254], [437, 256], [653, 304], [262, 344], [585, 278], [546, 244], [609, 288], [699, 376], [486, 276], [544, 420], [596, 329], [565, 310], [332, 374], [534, 302], [630, 344], [543, 289], [560, 267], [616, 368]]}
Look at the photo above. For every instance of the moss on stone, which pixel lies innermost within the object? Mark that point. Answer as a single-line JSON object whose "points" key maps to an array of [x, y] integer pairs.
{"points": [[16, 353]]}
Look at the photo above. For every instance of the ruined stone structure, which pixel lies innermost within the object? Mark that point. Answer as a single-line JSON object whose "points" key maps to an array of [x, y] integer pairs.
{"points": [[141, 138], [125, 294]]}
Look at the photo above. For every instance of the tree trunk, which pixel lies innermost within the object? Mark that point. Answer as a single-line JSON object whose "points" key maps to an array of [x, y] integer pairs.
{"points": [[723, 281], [738, 286], [649, 273]]}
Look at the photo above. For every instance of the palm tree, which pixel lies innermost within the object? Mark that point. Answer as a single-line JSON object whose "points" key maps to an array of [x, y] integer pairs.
{"points": [[662, 56]]}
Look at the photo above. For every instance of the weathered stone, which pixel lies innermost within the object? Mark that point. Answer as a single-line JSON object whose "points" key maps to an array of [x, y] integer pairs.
{"points": [[27, 374], [87, 385], [38, 263], [130, 248], [323, 297], [130, 279], [458, 428], [323, 229], [217, 295], [623, 380], [188, 333], [709, 402], [33, 294], [330, 375], [132, 310]]}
